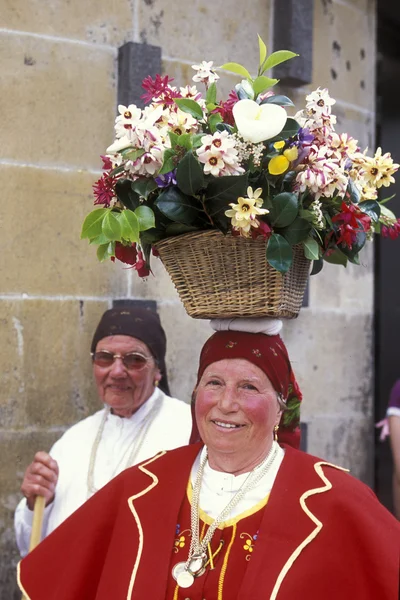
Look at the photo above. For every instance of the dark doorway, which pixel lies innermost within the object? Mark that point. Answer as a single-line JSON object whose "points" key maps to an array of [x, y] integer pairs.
{"points": [[387, 252]]}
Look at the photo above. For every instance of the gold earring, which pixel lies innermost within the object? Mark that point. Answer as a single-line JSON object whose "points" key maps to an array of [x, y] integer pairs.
{"points": [[156, 383], [276, 433]]}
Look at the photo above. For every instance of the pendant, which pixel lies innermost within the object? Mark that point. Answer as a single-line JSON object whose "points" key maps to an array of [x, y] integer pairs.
{"points": [[196, 564], [183, 578]]}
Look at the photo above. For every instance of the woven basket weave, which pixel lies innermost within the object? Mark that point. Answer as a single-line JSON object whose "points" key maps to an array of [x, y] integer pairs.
{"points": [[221, 276]]}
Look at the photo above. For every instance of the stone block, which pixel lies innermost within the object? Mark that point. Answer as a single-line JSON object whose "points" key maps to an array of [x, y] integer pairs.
{"points": [[197, 35], [99, 22], [331, 355], [135, 62], [41, 246], [60, 103], [47, 375], [157, 286], [185, 338], [346, 442], [344, 41]]}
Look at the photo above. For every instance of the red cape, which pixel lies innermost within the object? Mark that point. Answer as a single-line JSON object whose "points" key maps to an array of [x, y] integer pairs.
{"points": [[324, 535]]}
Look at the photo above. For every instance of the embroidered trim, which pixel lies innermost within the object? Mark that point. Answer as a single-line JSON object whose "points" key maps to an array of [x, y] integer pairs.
{"points": [[136, 517], [207, 519], [313, 534], [225, 564]]}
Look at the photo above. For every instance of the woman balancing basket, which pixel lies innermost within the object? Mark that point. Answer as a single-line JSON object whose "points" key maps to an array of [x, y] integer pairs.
{"points": [[234, 196]]}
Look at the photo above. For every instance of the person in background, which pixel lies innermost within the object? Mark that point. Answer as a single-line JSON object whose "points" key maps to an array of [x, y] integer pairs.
{"points": [[138, 419], [236, 517], [393, 417]]}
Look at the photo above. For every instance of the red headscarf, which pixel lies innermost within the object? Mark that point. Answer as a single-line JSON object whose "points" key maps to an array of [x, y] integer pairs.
{"points": [[269, 353]]}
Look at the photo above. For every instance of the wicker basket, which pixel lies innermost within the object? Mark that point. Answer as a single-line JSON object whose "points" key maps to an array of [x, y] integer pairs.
{"points": [[220, 276]]}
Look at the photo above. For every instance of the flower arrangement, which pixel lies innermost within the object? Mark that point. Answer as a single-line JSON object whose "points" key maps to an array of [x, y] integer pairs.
{"points": [[190, 162]]}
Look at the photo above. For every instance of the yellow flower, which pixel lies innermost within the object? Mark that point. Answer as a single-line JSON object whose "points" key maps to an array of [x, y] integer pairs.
{"points": [[278, 165], [244, 214], [279, 145], [291, 153]]}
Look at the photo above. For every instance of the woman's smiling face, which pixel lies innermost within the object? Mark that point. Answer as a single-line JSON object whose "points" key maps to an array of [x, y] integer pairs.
{"points": [[236, 411]]}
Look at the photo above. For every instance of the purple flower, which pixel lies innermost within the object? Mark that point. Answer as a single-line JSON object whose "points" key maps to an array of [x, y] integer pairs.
{"points": [[166, 180], [305, 137]]}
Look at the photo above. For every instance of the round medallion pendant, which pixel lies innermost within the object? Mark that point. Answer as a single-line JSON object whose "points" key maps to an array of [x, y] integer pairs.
{"points": [[185, 579]]}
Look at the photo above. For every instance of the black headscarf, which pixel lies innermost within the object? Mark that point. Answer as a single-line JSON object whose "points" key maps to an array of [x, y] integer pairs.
{"points": [[140, 323]]}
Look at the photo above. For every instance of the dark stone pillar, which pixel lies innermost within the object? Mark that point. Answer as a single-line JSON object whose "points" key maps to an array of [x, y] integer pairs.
{"points": [[135, 62]]}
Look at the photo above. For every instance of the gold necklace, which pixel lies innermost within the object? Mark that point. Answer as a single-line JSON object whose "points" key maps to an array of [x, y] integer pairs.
{"points": [[135, 446]]}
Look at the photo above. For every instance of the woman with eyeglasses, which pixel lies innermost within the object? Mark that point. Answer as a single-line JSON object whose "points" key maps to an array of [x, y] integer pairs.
{"points": [[240, 516], [138, 420]]}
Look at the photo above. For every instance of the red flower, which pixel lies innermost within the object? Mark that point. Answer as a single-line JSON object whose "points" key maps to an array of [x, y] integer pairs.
{"points": [[392, 231], [126, 254], [141, 266], [351, 220], [159, 88], [103, 189], [263, 229], [225, 108], [107, 164]]}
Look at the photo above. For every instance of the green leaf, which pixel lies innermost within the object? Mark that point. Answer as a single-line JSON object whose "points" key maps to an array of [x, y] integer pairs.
{"points": [[129, 225], [133, 154], [190, 175], [276, 58], [263, 50], [297, 231], [263, 83], [279, 253], [354, 192], [357, 245], [213, 121], [196, 140], [179, 229], [311, 249], [111, 226], [100, 240], [278, 99], [144, 186], [219, 193], [290, 129], [189, 106], [168, 161], [211, 95], [185, 141], [174, 138], [236, 68], [336, 258], [117, 170], [371, 208], [284, 209], [105, 251], [145, 217], [126, 193], [225, 127], [177, 206], [92, 225], [317, 266], [386, 212]]}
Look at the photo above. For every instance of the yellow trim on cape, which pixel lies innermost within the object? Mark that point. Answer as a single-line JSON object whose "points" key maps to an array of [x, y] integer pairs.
{"points": [[328, 485], [19, 582], [136, 517], [207, 519]]}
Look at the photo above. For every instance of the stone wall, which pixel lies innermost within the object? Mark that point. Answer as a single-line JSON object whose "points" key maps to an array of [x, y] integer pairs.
{"points": [[58, 104]]}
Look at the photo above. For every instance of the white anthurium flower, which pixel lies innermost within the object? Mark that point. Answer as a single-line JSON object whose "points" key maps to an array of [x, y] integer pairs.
{"points": [[118, 145], [258, 122]]}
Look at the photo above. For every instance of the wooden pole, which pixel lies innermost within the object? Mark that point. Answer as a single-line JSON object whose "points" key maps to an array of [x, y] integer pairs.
{"points": [[36, 532], [37, 523]]}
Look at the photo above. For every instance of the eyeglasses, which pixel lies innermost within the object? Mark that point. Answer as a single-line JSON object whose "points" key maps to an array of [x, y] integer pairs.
{"points": [[133, 361]]}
